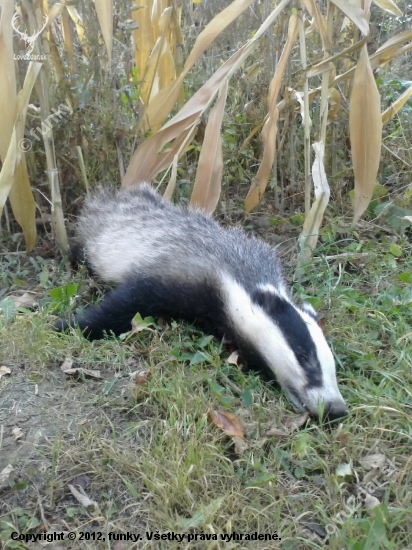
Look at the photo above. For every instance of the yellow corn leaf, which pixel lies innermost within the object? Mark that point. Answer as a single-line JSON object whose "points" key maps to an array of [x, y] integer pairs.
{"points": [[7, 78], [150, 85], [365, 127], [355, 14], [270, 128], [104, 10], [390, 6], [161, 105], [78, 23], [334, 99], [143, 37], [396, 106], [324, 65], [144, 163], [14, 181], [318, 22], [67, 38], [206, 190], [55, 10]]}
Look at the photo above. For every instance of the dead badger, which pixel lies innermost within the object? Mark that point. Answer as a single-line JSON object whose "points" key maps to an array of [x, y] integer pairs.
{"points": [[178, 263]]}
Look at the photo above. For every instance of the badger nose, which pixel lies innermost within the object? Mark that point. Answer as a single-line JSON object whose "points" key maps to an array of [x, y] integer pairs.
{"points": [[335, 410]]}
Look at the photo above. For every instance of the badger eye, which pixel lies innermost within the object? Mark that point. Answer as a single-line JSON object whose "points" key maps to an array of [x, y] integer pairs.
{"points": [[302, 357]]}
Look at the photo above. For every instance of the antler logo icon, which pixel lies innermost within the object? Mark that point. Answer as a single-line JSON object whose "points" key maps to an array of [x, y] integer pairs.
{"points": [[29, 40]]}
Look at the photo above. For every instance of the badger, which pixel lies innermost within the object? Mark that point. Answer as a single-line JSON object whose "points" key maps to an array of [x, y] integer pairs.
{"points": [[170, 261]]}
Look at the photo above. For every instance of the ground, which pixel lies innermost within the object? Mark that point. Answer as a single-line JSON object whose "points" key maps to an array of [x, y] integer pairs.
{"points": [[109, 455]]}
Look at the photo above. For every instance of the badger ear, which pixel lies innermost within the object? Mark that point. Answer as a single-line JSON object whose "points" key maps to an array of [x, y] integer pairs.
{"points": [[307, 308]]}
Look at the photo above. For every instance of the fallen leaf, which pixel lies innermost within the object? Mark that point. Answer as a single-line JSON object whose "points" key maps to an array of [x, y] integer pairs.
{"points": [[293, 423], [227, 422], [240, 445], [85, 372], [5, 475], [4, 370], [376, 461], [141, 377], [370, 502], [275, 432], [233, 358], [27, 300], [67, 364], [118, 545], [17, 433], [82, 498]]}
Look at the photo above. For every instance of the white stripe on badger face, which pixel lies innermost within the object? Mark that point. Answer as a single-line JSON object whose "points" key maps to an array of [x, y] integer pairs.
{"points": [[329, 391], [252, 322], [281, 291]]}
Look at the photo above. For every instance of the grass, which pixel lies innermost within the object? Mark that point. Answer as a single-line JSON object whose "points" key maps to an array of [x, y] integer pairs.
{"points": [[150, 459]]}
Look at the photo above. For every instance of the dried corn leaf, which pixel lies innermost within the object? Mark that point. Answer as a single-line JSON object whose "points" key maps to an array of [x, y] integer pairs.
{"points": [[310, 231], [150, 84], [104, 10], [143, 36], [355, 14], [161, 105], [270, 128], [390, 6], [78, 23], [145, 163], [318, 22], [67, 38], [14, 181], [365, 127], [396, 106], [206, 190]]}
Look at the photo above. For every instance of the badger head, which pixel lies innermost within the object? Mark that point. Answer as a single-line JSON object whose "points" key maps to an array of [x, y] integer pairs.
{"points": [[290, 345]]}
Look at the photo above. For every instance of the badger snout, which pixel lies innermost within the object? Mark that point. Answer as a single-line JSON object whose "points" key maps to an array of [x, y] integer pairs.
{"points": [[333, 410]]}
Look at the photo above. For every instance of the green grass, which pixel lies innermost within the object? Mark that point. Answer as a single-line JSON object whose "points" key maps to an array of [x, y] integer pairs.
{"points": [[151, 460]]}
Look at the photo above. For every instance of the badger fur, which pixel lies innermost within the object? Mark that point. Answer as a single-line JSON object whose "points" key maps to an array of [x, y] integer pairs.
{"points": [[170, 261]]}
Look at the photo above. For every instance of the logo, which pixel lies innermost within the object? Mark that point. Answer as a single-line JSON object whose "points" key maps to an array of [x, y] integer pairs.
{"points": [[29, 40]]}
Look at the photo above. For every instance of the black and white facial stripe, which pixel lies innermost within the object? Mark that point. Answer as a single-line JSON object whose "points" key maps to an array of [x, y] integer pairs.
{"points": [[170, 261]]}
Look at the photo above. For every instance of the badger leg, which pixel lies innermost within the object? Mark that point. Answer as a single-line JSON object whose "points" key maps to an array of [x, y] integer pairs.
{"points": [[148, 296], [114, 314]]}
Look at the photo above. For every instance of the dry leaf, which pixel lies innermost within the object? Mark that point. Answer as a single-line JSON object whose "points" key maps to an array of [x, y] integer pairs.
{"points": [[278, 433], [67, 364], [240, 445], [233, 358], [85, 372], [269, 131], [82, 498], [207, 186], [370, 502], [17, 433], [5, 475], [141, 377], [227, 422], [26, 300], [310, 231], [373, 461], [4, 370], [390, 6], [396, 106], [365, 125], [118, 545], [293, 423], [355, 14], [104, 10]]}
